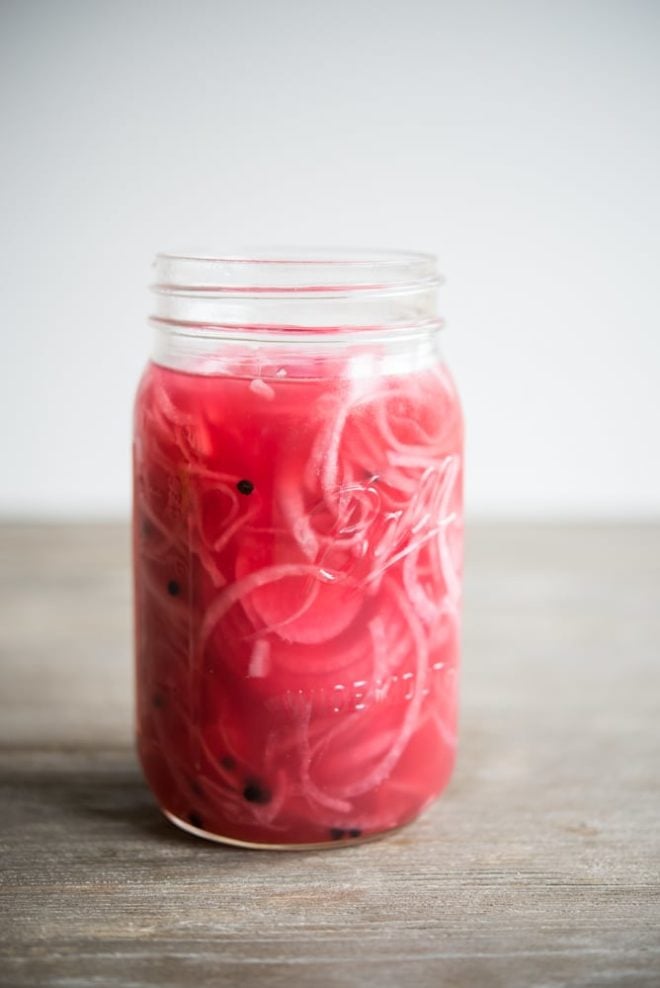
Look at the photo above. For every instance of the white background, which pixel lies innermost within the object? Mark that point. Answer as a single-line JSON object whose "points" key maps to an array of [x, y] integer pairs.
{"points": [[517, 140]]}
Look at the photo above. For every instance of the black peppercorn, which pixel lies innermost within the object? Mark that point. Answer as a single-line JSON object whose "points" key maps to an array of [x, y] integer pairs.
{"points": [[173, 588], [245, 486], [336, 833], [146, 528], [254, 792]]}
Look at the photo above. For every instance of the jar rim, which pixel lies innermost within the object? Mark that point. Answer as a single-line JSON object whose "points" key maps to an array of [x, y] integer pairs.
{"points": [[293, 270]]}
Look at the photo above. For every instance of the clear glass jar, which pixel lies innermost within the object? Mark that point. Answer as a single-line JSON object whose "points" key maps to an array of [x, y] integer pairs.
{"points": [[297, 546]]}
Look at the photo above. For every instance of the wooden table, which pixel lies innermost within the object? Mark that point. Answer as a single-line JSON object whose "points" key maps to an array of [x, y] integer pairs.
{"points": [[539, 867]]}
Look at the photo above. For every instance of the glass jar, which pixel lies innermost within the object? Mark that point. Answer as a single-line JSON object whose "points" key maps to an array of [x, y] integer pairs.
{"points": [[297, 546]]}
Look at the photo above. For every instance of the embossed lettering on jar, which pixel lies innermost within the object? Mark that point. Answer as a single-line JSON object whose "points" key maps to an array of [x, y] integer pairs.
{"points": [[297, 546]]}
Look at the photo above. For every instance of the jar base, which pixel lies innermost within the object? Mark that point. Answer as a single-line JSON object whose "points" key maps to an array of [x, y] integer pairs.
{"points": [[252, 846]]}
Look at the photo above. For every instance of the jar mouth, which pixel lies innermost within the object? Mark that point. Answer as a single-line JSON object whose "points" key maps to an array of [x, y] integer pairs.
{"points": [[318, 289], [293, 271]]}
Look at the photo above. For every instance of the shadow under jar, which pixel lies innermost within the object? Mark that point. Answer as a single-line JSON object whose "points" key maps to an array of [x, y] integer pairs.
{"points": [[297, 546]]}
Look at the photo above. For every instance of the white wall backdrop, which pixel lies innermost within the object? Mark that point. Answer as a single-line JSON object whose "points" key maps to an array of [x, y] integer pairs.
{"points": [[518, 140]]}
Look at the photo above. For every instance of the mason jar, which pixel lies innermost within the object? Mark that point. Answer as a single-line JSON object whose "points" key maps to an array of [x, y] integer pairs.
{"points": [[297, 544]]}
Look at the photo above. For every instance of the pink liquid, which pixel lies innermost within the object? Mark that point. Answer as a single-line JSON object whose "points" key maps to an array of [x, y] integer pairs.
{"points": [[297, 547]]}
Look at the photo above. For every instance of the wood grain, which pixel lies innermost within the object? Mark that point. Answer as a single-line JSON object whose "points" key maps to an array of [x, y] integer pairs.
{"points": [[539, 867]]}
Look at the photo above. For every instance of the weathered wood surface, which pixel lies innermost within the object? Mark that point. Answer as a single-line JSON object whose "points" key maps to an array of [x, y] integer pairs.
{"points": [[539, 867]]}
